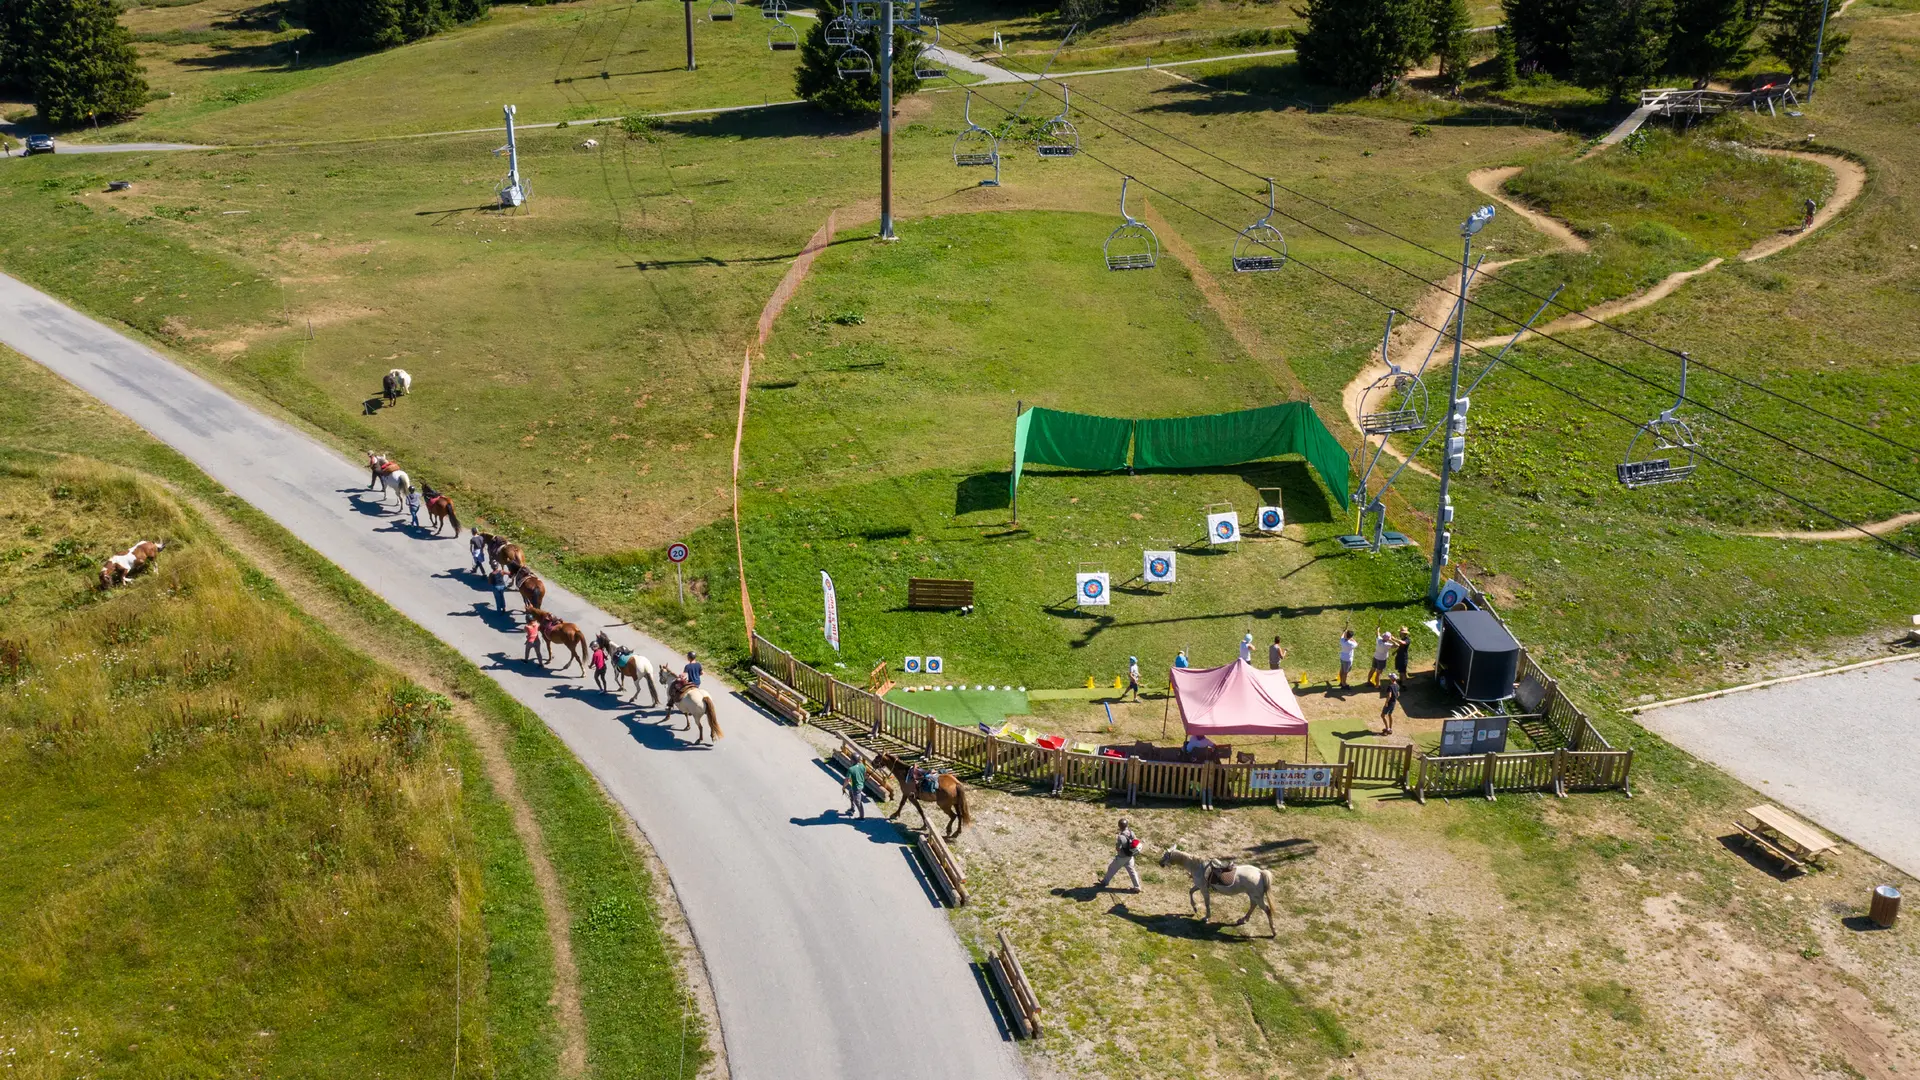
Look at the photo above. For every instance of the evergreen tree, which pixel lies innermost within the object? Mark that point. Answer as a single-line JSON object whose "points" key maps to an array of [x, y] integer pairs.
{"points": [[1452, 39], [1356, 44], [1621, 44], [372, 25], [1711, 36], [1506, 60], [1544, 31], [819, 81], [73, 57], [1793, 32]]}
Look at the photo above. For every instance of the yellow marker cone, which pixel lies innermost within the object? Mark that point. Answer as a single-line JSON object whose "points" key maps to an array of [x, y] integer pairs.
{"points": [[1089, 682]]}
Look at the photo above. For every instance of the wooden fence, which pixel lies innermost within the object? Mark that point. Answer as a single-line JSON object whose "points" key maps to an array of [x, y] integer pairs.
{"points": [[1583, 760]]}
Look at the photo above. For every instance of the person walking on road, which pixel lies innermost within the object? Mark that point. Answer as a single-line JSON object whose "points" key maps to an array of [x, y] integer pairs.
{"points": [[856, 788], [477, 548], [599, 662], [1347, 647], [1391, 692], [1382, 648], [1275, 653], [691, 672], [413, 505], [1124, 847], [1401, 645], [1133, 677], [498, 581], [532, 649]]}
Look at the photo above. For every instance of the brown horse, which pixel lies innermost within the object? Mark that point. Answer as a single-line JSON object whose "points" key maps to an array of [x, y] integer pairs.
{"points": [[562, 633], [949, 794], [440, 509], [533, 591], [129, 562]]}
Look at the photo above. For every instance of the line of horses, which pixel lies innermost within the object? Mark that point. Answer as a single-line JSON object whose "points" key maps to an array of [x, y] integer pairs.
{"points": [[691, 702]]}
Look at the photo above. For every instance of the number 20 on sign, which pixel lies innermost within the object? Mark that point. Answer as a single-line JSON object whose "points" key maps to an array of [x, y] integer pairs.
{"points": [[677, 553]]}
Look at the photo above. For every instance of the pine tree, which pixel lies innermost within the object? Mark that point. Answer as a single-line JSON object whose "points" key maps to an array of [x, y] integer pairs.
{"points": [[1544, 31], [1506, 60], [818, 79], [1711, 36], [1793, 32], [1621, 44], [1452, 39], [1356, 44], [74, 58]]}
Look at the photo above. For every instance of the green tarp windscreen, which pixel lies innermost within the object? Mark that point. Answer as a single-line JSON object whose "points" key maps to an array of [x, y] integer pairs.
{"points": [[1100, 443], [1193, 442]]}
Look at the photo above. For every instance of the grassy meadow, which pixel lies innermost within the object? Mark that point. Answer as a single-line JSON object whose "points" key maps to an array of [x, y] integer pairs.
{"points": [[233, 845]]}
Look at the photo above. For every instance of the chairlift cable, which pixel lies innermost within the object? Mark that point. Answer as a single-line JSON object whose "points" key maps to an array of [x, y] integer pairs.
{"points": [[1040, 77], [1781, 439]]}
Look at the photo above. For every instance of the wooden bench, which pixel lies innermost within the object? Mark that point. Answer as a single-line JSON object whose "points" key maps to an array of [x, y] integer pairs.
{"points": [[1023, 1008], [939, 593], [1793, 842], [779, 697], [945, 868]]}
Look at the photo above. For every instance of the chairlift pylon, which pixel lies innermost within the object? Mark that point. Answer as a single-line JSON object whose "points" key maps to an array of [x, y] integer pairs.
{"points": [[1132, 246], [976, 146], [1059, 138], [839, 32], [720, 11], [1668, 436], [1260, 247], [853, 63], [782, 37]]}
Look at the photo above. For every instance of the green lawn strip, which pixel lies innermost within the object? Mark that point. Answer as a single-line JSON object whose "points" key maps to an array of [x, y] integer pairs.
{"points": [[634, 1005], [964, 708]]}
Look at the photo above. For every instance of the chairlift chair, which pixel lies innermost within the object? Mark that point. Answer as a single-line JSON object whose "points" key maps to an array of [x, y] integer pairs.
{"points": [[782, 37], [840, 32], [976, 146], [1132, 246], [1668, 437], [853, 63], [924, 65], [1260, 247], [1399, 397], [720, 11], [774, 9], [1059, 138]]}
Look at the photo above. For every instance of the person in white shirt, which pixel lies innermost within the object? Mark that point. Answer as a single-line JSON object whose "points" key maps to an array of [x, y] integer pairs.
{"points": [[1383, 643], [1133, 677], [1347, 647], [1246, 649]]}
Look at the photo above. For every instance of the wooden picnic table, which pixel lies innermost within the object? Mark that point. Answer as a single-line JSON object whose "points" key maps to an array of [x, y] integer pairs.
{"points": [[1785, 837]]}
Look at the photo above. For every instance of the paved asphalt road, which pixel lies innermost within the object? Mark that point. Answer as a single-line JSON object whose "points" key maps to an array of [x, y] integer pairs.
{"points": [[807, 922], [119, 148], [1841, 750]]}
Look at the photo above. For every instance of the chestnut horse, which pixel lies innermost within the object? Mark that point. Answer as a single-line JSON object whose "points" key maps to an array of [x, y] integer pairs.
{"points": [[440, 509], [563, 633], [533, 591], [130, 562], [949, 794]]}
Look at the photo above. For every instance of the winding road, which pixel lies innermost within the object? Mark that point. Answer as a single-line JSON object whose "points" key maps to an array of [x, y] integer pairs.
{"points": [[827, 953]]}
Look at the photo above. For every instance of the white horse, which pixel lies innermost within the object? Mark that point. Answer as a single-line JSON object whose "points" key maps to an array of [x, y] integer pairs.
{"points": [[636, 667], [392, 481], [695, 704], [396, 385], [1245, 878]]}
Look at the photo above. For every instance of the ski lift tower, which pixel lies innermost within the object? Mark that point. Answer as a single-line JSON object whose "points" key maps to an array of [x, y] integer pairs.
{"points": [[515, 193], [885, 18], [1453, 455]]}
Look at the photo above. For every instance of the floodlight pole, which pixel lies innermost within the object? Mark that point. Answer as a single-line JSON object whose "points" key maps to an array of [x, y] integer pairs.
{"points": [[688, 4], [1442, 519], [1819, 43], [886, 122]]}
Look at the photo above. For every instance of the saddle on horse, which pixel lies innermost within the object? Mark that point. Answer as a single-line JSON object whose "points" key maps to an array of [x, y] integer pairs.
{"points": [[620, 657], [1221, 873], [676, 689], [927, 781]]}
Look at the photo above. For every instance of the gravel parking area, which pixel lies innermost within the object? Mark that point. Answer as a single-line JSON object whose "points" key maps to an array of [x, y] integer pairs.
{"points": [[1841, 750]]}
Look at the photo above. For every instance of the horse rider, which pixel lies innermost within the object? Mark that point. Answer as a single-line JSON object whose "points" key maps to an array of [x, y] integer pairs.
{"points": [[691, 673], [1125, 845]]}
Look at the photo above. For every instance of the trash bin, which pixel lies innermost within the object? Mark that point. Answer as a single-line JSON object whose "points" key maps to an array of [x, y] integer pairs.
{"points": [[1886, 906]]}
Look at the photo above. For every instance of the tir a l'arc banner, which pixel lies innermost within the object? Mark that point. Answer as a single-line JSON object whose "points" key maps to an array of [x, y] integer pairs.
{"points": [[1102, 443], [832, 625]]}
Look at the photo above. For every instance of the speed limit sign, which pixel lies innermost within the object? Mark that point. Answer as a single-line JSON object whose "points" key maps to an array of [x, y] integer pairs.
{"points": [[678, 553]]}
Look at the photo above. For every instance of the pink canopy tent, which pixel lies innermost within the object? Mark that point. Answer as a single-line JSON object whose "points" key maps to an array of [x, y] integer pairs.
{"points": [[1238, 699]]}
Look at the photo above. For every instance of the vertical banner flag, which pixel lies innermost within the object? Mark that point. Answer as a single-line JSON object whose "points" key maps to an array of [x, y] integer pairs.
{"points": [[1223, 528], [1091, 589], [1158, 567], [1271, 519], [832, 625]]}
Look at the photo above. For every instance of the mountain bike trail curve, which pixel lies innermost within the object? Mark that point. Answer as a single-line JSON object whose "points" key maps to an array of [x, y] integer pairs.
{"points": [[826, 951]]}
